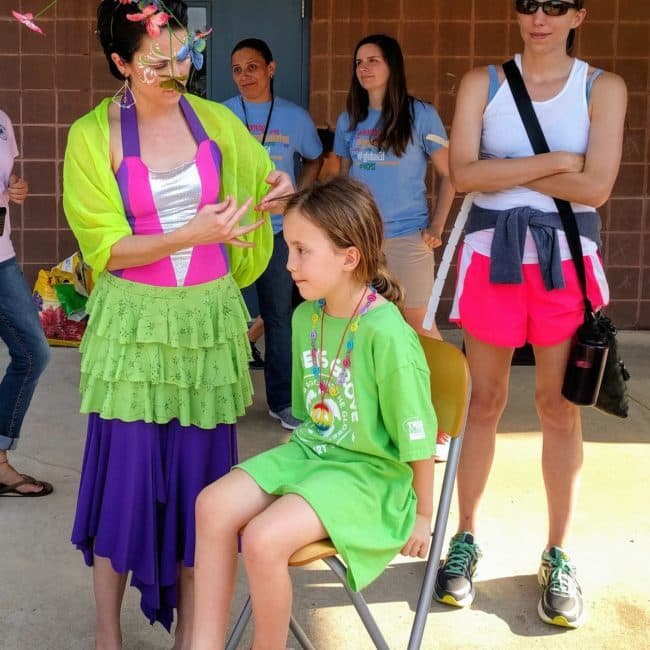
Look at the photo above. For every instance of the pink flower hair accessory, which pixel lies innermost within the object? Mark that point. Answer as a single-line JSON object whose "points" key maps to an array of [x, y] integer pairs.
{"points": [[27, 19], [151, 15], [155, 15]]}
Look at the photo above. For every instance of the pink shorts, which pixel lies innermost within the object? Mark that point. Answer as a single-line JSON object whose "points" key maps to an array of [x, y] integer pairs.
{"points": [[510, 315]]}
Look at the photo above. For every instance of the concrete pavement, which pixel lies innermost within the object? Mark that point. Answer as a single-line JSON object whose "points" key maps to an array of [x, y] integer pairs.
{"points": [[46, 599]]}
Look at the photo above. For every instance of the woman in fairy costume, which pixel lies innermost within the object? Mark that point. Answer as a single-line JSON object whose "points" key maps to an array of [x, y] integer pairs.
{"points": [[159, 189], [359, 469]]}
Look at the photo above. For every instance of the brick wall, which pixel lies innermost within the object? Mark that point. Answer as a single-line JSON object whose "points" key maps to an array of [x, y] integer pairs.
{"points": [[48, 82], [442, 39]]}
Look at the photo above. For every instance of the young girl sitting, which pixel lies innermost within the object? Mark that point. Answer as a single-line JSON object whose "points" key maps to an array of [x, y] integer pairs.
{"points": [[360, 468]]}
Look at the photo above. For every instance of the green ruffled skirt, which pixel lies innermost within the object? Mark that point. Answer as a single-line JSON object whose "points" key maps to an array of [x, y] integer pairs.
{"points": [[161, 353]]}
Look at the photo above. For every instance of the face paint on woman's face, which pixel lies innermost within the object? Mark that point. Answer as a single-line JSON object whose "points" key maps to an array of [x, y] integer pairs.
{"points": [[157, 64]]}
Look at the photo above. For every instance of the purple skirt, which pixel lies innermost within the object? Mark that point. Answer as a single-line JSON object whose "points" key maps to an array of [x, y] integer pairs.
{"points": [[139, 482]]}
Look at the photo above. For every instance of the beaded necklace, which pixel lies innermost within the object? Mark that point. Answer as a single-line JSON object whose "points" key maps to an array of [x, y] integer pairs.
{"points": [[321, 414]]}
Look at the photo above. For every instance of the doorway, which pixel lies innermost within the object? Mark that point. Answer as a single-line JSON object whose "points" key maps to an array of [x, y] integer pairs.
{"points": [[283, 24]]}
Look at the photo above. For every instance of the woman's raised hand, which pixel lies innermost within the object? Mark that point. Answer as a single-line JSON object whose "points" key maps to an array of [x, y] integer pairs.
{"points": [[281, 186], [218, 223]]}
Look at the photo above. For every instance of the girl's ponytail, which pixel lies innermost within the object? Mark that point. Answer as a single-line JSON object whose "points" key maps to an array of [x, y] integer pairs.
{"points": [[387, 285]]}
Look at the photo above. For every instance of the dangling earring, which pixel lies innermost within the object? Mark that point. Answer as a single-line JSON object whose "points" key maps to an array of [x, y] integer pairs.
{"points": [[124, 98]]}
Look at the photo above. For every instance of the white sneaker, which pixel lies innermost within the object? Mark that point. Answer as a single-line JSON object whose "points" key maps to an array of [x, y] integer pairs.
{"points": [[286, 419]]}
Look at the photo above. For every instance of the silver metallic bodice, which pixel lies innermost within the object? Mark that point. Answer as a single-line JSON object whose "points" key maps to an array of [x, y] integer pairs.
{"points": [[177, 194]]}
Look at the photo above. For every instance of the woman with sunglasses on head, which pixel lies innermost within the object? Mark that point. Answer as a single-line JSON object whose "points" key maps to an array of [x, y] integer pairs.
{"points": [[501, 303], [285, 130], [385, 138], [160, 189]]}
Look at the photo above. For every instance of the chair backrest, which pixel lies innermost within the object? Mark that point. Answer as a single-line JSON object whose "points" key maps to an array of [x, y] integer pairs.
{"points": [[450, 384]]}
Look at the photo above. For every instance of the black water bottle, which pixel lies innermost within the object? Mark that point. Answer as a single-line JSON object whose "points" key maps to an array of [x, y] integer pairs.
{"points": [[585, 369]]}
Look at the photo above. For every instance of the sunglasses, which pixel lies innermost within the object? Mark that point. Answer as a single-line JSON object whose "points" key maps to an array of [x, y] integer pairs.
{"points": [[550, 7]]}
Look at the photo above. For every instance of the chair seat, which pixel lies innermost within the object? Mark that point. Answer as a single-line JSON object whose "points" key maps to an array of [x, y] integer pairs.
{"points": [[312, 552]]}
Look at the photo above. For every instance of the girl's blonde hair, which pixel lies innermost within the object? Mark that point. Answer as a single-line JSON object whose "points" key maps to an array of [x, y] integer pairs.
{"points": [[345, 210]]}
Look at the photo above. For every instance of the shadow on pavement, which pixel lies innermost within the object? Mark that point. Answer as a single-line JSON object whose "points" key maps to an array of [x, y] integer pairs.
{"points": [[513, 599]]}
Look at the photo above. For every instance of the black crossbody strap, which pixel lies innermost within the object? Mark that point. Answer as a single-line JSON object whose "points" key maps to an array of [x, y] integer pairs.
{"points": [[539, 144]]}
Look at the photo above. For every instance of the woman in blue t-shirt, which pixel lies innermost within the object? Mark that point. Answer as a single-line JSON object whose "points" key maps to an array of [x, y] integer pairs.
{"points": [[285, 130], [385, 138]]}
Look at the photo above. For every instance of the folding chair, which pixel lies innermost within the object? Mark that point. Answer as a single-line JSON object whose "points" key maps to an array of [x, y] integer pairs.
{"points": [[450, 392]]}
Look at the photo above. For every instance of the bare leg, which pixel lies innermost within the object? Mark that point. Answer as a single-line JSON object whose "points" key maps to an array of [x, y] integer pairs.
{"points": [[222, 510], [268, 542], [414, 317], [562, 436], [256, 330], [108, 587], [183, 632], [490, 371]]}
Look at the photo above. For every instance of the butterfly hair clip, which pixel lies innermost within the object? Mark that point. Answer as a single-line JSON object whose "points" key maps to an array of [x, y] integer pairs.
{"points": [[194, 48]]}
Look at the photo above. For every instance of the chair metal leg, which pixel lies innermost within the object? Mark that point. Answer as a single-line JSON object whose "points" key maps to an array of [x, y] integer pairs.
{"points": [[359, 604], [426, 592], [244, 618], [240, 625], [300, 635]]}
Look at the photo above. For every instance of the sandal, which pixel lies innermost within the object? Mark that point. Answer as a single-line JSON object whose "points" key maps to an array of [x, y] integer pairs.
{"points": [[12, 490]]}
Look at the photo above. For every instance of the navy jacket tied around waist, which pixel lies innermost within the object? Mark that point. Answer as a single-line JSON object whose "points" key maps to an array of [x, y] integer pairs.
{"points": [[510, 226]]}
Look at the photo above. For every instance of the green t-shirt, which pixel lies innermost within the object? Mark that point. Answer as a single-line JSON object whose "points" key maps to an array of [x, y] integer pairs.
{"points": [[384, 407]]}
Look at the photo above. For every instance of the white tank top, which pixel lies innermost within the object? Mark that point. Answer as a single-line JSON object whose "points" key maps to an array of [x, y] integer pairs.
{"points": [[565, 122]]}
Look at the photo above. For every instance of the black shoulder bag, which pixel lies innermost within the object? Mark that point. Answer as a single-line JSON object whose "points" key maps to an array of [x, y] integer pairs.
{"points": [[595, 374]]}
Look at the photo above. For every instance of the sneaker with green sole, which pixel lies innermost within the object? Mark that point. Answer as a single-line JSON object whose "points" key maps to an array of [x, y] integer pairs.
{"points": [[561, 601], [454, 578]]}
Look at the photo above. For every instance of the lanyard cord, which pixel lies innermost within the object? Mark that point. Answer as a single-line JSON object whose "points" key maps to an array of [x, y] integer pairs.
{"points": [[268, 117]]}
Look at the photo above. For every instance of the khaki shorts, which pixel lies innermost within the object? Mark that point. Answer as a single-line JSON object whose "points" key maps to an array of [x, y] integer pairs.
{"points": [[410, 260]]}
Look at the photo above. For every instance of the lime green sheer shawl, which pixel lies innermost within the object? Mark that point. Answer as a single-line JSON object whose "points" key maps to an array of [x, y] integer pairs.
{"points": [[93, 204]]}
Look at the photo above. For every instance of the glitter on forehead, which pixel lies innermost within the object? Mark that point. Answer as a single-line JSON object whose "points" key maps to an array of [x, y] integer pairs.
{"points": [[156, 55], [157, 65]]}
